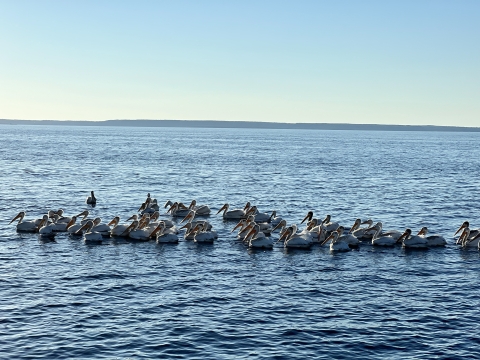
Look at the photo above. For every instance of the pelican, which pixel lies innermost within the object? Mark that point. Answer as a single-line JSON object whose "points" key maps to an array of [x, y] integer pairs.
{"points": [[412, 241], [329, 225], [274, 219], [466, 240], [27, 226], [361, 233], [258, 216], [178, 210], [46, 229], [308, 217], [91, 200], [381, 239], [257, 239], [120, 230], [63, 226], [90, 236], [318, 231], [336, 243], [347, 238], [291, 239], [163, 237], [392, 233], [433, 240], [73, 227], [200, 210], [466, 224], [232, 214], [98, 227], [204, 236]]}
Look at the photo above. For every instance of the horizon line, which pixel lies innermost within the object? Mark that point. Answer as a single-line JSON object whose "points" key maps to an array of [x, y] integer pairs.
{"points": [[240, 124]]}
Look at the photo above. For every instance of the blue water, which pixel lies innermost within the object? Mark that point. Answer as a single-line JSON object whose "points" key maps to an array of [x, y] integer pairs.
{"points": [[65, 299]]}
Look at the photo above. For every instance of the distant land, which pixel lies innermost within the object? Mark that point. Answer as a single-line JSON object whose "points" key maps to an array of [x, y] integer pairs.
{"points": [[240, 125]]}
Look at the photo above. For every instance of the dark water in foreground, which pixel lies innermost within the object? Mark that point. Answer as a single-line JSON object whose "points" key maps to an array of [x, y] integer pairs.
{"points": [[65, 299]]}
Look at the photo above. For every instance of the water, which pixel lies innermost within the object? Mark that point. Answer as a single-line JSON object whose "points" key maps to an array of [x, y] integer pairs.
{"points": [[65, 299]]}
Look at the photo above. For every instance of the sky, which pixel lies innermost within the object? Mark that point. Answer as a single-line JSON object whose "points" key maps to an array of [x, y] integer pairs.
{"points": [[376, 62]]}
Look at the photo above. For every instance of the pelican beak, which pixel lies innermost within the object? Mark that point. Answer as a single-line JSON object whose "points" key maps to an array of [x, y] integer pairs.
{"points": [[157, 230], [222, 208], [421, 232], [128, 229], [19, 216], [279, 225], [71, 223], [460, 228], [354, 227], [113, 222], [240, 223], [189, 216], [327, 240], [404, 236], [79, 231], [184, 226]]}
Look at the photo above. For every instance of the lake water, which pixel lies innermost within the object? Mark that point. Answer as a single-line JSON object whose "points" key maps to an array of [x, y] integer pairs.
{"points": [[65, 299]]}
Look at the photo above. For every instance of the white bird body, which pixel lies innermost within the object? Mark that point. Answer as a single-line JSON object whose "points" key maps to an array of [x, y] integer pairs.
{"points": [[337, 244], [293, 240], [382, 240], [412, 241], [46, 229], [257, 239], [433, 240], [28, 226], [235, 214]]}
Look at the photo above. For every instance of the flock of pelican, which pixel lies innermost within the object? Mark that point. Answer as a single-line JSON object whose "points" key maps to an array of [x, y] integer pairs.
{"points": [[254, 228]]}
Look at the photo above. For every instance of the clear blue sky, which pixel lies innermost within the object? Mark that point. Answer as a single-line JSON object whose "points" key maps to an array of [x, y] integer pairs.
{"points": [[386, 62]]}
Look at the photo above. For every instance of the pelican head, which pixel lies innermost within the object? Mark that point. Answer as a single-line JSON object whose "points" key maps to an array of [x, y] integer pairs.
{"points": [[19, 217], [72, 222], [252, 211], [84, 214], [132, 226], [340, 230], [312, 223], [168, 203], [465, 224], [247, 206], [309, 217], [86, 227], [287, 234], [355, 225], [155, 216], [327, 219], [274, 214], [423, 231], [158, 231], [190, 216], [280, 225], [333, 236], [115, 221], [192, 204], [223, 208], [97, 221], [60, 213], [252, 233], [405, 235], [240, 225]]}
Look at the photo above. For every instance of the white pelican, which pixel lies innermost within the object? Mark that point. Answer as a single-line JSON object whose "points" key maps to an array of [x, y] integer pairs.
{"points": [[46, 229], [380, 239], [302, 240], [120, 230], [330, 225], [63, 226], [336, 243], [466, 240], [163, 237], [200, 210], [178, 210], [472, 233], [27, 226], [362, 233], [236, 214], [92, 200], [318, 231], [258, 216], [393, 233], [90, 236], [412, 241], [433, 240], [103, 229], [257, 239], [274, 219], [204, 236], [347, 238]]}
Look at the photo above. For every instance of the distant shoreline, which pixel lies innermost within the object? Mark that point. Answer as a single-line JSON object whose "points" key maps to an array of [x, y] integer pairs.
{"points": [[241, 125]]}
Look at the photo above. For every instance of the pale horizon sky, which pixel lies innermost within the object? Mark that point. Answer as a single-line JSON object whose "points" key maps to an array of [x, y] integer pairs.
{"points": [[375, 62]]}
